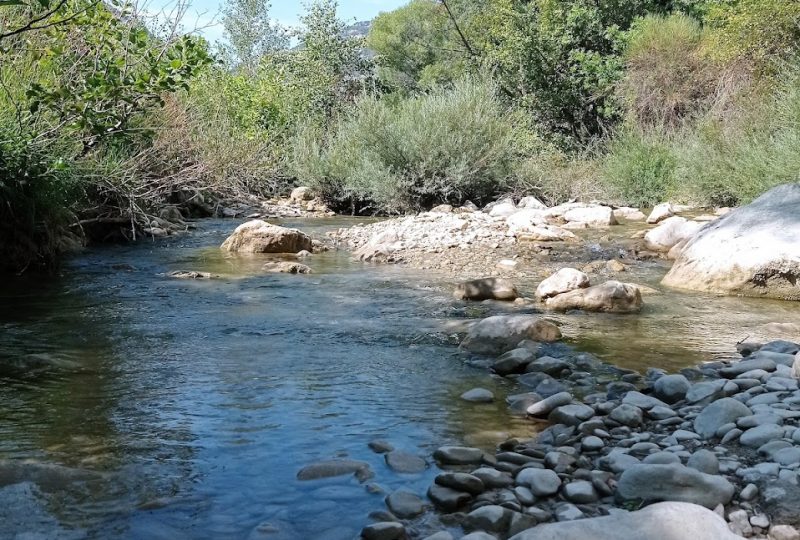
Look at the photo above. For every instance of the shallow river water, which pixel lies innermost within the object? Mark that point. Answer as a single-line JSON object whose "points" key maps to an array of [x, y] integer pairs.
{"points": [[133, 405]]}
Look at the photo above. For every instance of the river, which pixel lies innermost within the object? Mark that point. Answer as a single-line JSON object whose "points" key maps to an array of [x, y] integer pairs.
{"points": [[134, 405]]}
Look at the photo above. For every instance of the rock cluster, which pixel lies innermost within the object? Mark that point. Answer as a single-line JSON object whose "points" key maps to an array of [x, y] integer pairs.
{"points": [[503, 224], [717, 445]]}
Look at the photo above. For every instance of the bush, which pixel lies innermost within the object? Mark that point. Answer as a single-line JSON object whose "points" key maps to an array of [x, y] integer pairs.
{"points": [[668, 79], [640, 168], [447, 146], [734, 162]]}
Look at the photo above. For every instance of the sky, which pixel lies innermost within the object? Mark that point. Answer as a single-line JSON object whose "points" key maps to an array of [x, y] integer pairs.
{"points": [[204, 14]]}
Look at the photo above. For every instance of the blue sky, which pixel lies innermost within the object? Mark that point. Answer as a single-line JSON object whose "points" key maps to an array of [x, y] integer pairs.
{"points": [[205, 13]]}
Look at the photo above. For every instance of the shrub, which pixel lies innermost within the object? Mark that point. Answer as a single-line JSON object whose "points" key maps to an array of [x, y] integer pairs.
{"points": [[668, 79], [734, 162], [447, 146], [639, 168]]}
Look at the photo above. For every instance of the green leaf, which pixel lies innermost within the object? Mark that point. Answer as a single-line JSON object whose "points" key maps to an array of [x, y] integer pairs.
{"points": [[11, 3]]}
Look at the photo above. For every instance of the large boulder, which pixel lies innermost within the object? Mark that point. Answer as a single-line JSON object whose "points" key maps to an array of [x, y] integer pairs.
{"points": [[258, 236], [751, 251], [565, 280], [594, 216], [610, 297], [673, 482], [486, 289], [662, 521], [500, 333], [669, 233]]}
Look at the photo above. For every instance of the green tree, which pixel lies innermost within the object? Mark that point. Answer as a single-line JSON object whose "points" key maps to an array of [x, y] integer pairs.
{"points": [[416, 47], [327, 69], [251, 33]]}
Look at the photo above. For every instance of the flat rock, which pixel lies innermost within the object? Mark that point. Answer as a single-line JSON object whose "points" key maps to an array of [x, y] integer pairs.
{"points": [[492, 288], [405, 504], [448, 499], [760, 435], [403, 462], [334, 467], [458, 455], [478, 395], [662, 521], [673, 483], [384, 530], [461, 482]]}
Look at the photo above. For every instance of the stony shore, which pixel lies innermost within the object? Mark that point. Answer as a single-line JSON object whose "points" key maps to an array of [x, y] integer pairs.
{"points": [[723, 437], [525, 240]]}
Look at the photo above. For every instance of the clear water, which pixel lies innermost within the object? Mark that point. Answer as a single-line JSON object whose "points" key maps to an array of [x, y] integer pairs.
{"points": [[133, 405]]}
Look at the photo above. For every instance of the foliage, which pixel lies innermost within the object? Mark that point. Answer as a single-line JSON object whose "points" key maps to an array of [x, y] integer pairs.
{"points": [[733, 162], [765, 32], [446, 146], [326, 71], [75, 82], [416, 47], [640, 168], [251, 33], [668, 79]]}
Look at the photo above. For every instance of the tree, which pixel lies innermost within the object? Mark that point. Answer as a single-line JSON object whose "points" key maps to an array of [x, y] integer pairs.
{"points": [[416, 47], [251, 33], [327, 70]]}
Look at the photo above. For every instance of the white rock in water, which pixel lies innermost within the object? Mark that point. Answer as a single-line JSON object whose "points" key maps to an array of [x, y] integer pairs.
{"points": [[662, 521], [660, 213], [565, 280], [609, 297], [501, 333], [629, 214], [596, 216], [670, 232]]}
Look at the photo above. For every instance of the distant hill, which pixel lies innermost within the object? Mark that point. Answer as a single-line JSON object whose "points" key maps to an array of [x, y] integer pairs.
{"points": [[358, 30]]}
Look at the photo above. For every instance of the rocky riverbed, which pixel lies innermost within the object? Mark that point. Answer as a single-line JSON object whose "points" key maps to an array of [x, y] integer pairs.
{"points": [[719, 442]]}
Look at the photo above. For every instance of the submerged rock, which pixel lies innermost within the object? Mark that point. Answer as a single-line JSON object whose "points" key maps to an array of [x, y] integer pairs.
{"points": [[611, 297], [486, 289], [335, 467], [663, 521], [285, 267], [258, 236], [751, 251]]}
